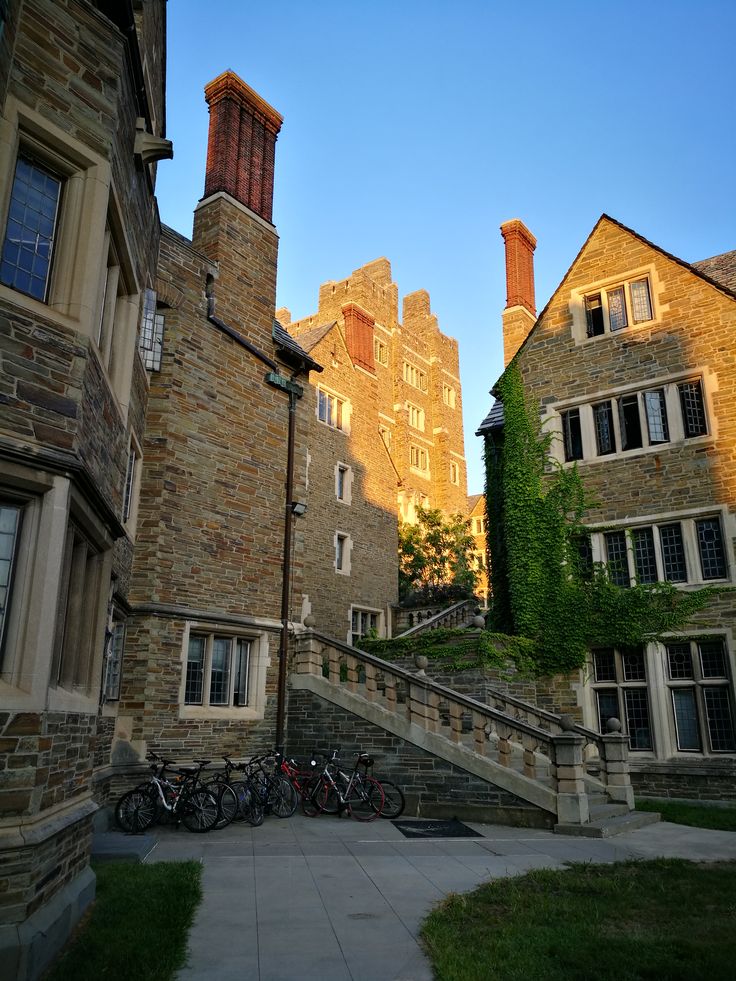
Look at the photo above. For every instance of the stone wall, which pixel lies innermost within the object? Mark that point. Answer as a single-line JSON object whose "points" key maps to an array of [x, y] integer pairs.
{"points": [[432, 786]]}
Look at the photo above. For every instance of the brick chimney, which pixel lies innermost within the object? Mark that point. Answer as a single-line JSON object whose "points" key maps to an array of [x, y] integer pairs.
{"points": [[359, 336], [242, 144], [520, 313]]}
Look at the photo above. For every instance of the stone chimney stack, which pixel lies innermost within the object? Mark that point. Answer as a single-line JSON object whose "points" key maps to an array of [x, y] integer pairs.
{"points": [[520, 313], [241, 145]]}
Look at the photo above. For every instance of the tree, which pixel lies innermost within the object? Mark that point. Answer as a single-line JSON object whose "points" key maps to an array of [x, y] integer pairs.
{"points": [[435, 558]]}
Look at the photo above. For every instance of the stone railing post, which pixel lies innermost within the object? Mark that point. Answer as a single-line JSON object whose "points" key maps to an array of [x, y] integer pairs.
{"points": [[424, 708], [334, 656], [309, 657], [568, 777], [616, 765], [371, 685]]}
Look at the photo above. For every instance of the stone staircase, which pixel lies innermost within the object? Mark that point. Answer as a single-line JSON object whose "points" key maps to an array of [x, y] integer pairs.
{"points": [[577, 777]]}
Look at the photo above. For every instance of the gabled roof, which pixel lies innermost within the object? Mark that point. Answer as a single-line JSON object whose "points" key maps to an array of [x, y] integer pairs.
{"points": [[719, 272], [473, 501], [311, 337], [290, 350], [721, 268]]}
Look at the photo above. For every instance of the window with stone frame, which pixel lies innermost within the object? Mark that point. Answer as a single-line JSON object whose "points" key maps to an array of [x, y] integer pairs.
{"points": [[151, 337], [364, 623], [619, 680], [30, 231], [635, 421], [78, 633], [666, 551], [343, 547], [114, 661], [616, 307], [415, 416], [343, 483], [448, 395], [330, 409], [699, 683], [11, 521], [380, 351], [385, 433], [132, 483], [418, 458], [217, 670], [454, 473], [415, 376]]}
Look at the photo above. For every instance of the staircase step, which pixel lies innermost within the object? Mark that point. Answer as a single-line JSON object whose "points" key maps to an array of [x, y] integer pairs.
{"points": [[607, 809], [607, 827]]}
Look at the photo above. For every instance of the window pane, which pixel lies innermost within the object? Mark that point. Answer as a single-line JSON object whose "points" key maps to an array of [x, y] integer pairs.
{"points": [[641, 303], [710, 546], [618, 559], [686, 718], [195, 671], [693, 409], [604, 661], [115, 661], [656, 412], [572, 435], [673, 553], [633, 665], [719, 719], [582, 546], [630, 423], [10, 519], [607, 706], [679, 661], [644, 560], [340, 552], [617, 309], [594, 315], [220, 670], [712, 659], [604, 435], [637, 718], [240, 678], [28, 245]]}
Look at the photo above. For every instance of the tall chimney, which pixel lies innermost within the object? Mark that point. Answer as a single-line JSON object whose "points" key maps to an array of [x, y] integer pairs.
{"points": [[242, 144], [359, 336], [520, 313]]}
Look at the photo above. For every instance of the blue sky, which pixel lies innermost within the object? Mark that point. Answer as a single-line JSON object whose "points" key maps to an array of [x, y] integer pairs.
{"points": [[412, 129]]}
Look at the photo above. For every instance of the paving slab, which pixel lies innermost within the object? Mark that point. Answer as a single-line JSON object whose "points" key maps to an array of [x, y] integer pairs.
{"points": [[327, 899]]}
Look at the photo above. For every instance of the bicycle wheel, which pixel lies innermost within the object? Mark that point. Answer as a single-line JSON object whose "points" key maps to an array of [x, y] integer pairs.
{"points": [[198, 810], [394, 801], [365, 800], [282, 797], [136, 811], [227, 802], [250, 808], [314, 796]]}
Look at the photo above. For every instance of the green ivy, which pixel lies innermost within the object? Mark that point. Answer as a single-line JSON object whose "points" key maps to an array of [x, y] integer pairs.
{"points": [[541, 589]]}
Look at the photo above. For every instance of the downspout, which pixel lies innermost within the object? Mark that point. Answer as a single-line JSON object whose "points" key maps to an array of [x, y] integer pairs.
{"points": [[286, 582]]}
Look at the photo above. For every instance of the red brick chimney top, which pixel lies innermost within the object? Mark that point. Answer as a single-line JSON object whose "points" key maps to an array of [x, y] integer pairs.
{"points": [[520, 245], [359, 336], [242, 143]]}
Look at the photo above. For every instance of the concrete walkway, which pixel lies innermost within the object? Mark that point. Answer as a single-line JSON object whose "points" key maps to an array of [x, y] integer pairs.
{"points": [[334, 900]]}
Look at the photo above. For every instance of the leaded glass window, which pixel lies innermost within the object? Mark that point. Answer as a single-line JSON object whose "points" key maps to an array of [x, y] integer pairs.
{"points": [[617, 309], [618, 559], [656, 412], [10, 522], [719, 719], [572, 435], [710, 547], [687, 729], [673, 553], [679, 662], [693, 409], [604, 435], [194, 683], [636, 701], [641, 303], [645, 561], [29, 234]]}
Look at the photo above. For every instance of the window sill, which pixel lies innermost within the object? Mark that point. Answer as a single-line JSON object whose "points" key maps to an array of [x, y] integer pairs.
{"points": [[245, 713], [697, 441]]}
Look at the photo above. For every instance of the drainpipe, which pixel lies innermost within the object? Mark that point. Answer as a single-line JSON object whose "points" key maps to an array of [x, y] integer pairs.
{"points": [[286, 583]]}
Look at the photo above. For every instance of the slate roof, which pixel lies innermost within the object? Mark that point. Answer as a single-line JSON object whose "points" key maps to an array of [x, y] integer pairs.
{"points": [[290, 349], [721, 268], [311, 337], [494, 419], [472, 501]]}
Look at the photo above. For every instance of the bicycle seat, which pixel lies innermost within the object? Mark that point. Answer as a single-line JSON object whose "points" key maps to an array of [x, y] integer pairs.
{"points": [[203, 762], [188, 769]]}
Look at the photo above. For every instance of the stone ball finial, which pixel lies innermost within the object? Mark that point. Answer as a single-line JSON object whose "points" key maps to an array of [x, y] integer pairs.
{"points": [[613, 725], [567, 723], [479, 622], [309, 620], [421, 662]]}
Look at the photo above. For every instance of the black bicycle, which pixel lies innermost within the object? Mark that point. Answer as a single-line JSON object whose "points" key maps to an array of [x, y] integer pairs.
{"points": [[180, 795]]}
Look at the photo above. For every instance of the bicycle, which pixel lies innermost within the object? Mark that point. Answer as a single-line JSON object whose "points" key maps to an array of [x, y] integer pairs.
{"points": [[334, 791], [273, 790], [242, 802], [185, 798], [394, 801]]}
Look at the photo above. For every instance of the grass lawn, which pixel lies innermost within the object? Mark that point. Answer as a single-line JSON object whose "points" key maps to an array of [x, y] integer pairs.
{"points": [[696, 815], [138, 925], [666, 920]]}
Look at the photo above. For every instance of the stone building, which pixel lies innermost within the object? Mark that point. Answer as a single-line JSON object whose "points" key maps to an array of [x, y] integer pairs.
{"points": [[632, 366], [477, 517], [206, 627], [386, 437], [82, 126]]}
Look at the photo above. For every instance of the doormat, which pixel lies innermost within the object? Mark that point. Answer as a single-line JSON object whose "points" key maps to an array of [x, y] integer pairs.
{"points": [[435, 829]]}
